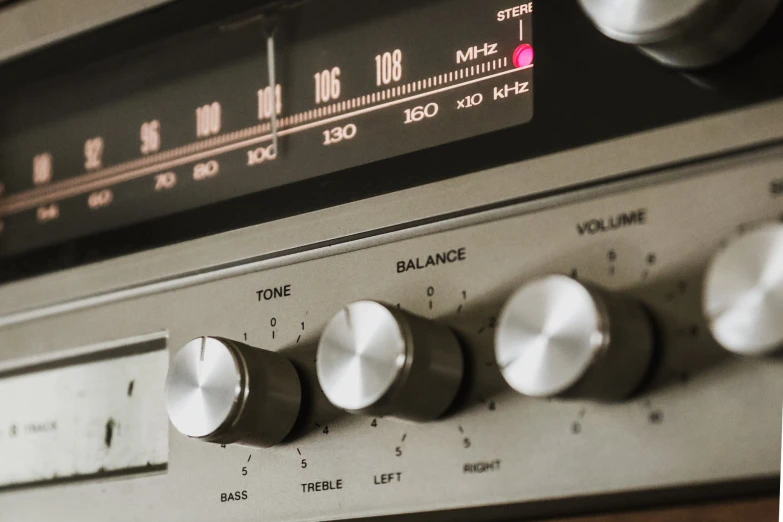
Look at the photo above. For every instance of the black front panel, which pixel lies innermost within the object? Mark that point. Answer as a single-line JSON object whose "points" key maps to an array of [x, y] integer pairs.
{"points": [[195, 120], [174, 140]]}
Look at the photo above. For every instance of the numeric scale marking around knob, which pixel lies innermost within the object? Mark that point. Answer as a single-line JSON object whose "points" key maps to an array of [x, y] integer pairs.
{"points": [[556, 336], [375, 359]]}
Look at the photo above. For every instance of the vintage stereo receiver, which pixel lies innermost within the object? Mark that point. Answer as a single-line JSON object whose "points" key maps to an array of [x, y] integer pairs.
{"points": [[342, 259]]}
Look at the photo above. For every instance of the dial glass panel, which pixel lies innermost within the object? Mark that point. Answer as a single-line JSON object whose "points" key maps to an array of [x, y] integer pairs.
{"points": [[253, 104]]}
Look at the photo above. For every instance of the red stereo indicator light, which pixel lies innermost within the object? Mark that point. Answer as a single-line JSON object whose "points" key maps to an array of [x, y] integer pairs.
{"points": [[523, 55]]}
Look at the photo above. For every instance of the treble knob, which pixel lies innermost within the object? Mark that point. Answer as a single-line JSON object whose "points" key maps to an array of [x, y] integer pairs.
{"points": [[560, 337], [376, 359], [743, 293], [223, 391]]}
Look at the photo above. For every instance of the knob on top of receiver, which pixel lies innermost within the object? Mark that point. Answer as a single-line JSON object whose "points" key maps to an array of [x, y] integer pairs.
{"points": [[560, 337], [373, 358], [681, 33], [223, 391], [743, 293]]}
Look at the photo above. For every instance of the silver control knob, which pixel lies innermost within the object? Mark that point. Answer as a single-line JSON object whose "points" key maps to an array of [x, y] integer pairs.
{"points": [[681, 33], [560, 337], [373, 358], [223, 391], [743, 293]]}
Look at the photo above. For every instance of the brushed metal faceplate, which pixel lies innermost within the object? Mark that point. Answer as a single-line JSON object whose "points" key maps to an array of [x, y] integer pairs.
{"points": [[705, 417], [84, 414]]}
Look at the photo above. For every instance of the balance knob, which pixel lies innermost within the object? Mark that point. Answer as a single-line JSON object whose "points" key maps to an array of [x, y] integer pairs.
{"points": [[223, 391], [743, 293], [681, 33], [376, 359], [559, 337]]}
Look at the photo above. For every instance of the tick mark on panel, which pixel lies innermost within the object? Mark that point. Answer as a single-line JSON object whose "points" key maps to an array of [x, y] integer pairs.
{"points": [[110, 424], [130, 388], [299, 452]]}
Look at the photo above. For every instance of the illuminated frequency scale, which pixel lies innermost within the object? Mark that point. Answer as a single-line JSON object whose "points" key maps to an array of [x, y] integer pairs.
{"points": [[205, 127]]}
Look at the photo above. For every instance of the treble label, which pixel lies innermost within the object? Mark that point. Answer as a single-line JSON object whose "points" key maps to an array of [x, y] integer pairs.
{"points": [[324, 485]]}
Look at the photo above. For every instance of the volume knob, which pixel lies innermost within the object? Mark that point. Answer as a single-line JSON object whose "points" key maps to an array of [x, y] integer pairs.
{"points": [[373, 358], [559, 337], [743, 293], [223, 391]]}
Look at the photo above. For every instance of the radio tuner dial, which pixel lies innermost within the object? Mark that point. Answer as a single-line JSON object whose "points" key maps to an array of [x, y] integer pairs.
{"points": [[223, 391], [743, 293], [560, 337], [375, 359]]}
